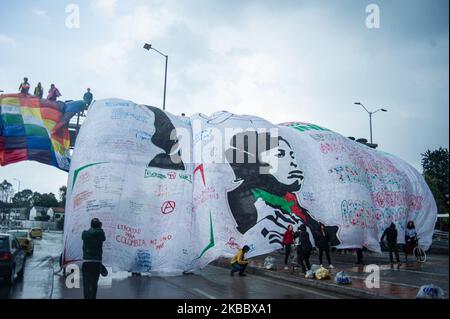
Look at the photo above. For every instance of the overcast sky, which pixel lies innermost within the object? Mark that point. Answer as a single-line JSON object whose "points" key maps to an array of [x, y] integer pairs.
{"points": [[280, 60]]}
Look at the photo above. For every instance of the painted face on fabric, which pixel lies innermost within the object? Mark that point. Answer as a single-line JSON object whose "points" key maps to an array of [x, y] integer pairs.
{"points": [[283, 165]]}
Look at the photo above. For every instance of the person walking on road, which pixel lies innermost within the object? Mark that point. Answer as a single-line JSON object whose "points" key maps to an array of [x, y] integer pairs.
{"points": [[24, 86], [238, 262], [323, 245], [53, 93], [92, 258], [39, 91], [288, 240], [359, 256], [410, 239], [304, 248], [391, 235]]}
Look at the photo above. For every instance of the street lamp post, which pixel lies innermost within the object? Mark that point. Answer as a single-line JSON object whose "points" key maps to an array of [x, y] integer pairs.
{"points": [[370, 117], [149, 47], [18, 181]]}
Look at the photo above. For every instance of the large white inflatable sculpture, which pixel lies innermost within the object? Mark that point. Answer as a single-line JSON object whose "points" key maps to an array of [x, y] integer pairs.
{"points": [[174, 193]]}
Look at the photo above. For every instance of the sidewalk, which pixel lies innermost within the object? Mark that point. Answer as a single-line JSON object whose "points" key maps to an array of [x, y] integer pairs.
{"points": [[396, 282]]}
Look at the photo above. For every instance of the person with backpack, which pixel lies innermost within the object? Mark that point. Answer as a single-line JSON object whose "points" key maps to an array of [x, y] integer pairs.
{"points": [[93, 239], [304, 248], [391, 235], [323, 244]]}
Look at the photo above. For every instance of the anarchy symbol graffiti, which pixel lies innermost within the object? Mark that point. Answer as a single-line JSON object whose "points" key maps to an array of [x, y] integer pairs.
{"points": [[168, 207]]}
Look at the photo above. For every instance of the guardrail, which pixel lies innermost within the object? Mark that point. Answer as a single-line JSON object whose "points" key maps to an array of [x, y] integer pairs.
{"points": [[440, 235]]}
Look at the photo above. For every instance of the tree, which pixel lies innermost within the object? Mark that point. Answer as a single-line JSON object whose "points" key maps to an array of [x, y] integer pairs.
{"points": [[6, 191], [436, 172], [23, 198], [62, 196], [44, 200]]}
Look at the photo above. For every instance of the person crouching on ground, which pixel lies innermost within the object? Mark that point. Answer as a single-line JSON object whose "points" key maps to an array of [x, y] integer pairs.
{"points": [[288, 240], [93, 239], [238, 262]]}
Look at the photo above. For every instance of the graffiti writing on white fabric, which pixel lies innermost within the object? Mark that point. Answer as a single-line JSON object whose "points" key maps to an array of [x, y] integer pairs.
{"points": [[206, 194], [84, 178], [302, 127], [130, 236], [203, 135], [159, 243], [143, 260], [322, 137], [117, 104], [95, 205], [161, 191], [141, 135], [80, 199], [308, 196], [118, 145], [118, 114], [362, 214], [152, 174], [169, 176], [135, 207], [386, 198], [109, 184], [232, 243]]}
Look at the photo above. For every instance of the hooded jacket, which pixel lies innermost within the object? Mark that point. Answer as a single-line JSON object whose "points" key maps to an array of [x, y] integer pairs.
{"points": [[305, 243], [93, 239], [390, 233]]}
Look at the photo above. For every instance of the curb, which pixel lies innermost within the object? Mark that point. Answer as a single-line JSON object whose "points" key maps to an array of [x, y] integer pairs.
{"points": [[341, 289]]}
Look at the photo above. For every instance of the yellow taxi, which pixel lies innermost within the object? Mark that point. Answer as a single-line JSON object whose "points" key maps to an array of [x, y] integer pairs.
{"points": [[23, 236], [36, 232]]}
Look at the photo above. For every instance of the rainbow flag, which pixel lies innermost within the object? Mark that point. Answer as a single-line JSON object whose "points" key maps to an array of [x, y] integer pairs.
{"points": [[29, 131]]}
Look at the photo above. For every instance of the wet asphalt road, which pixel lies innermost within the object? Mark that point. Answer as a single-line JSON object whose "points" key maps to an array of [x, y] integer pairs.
{"points": [[213, 282]]}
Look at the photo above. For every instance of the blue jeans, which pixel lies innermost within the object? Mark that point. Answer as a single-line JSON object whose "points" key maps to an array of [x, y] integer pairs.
{"points": [[235, 267]]}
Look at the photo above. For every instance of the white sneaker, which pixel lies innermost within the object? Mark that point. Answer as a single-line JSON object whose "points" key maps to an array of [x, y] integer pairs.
{"points": [[286, 267], [331, 266]]}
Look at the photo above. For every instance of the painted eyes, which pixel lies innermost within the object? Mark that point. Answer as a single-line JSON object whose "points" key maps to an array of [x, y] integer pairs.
{"points": [[281, 153]]}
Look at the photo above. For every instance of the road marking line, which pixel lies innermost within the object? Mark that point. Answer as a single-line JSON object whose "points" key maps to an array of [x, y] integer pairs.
{"points": [[201, 292], [423, 272], [298, 288], [392, 283]]}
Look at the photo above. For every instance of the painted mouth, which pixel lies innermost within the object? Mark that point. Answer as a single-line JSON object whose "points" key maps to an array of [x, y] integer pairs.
{"points": [[295, 174]]}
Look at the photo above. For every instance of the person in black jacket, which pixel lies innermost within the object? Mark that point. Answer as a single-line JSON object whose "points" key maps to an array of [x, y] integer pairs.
{"points": [[93, 239], [391, 234], [304, 247], [322, 243]]}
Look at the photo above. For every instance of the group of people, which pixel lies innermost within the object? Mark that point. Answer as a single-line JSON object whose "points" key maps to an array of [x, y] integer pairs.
{"points": [[391, 235], [300, 239], [94, 237], [53, 92]]}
